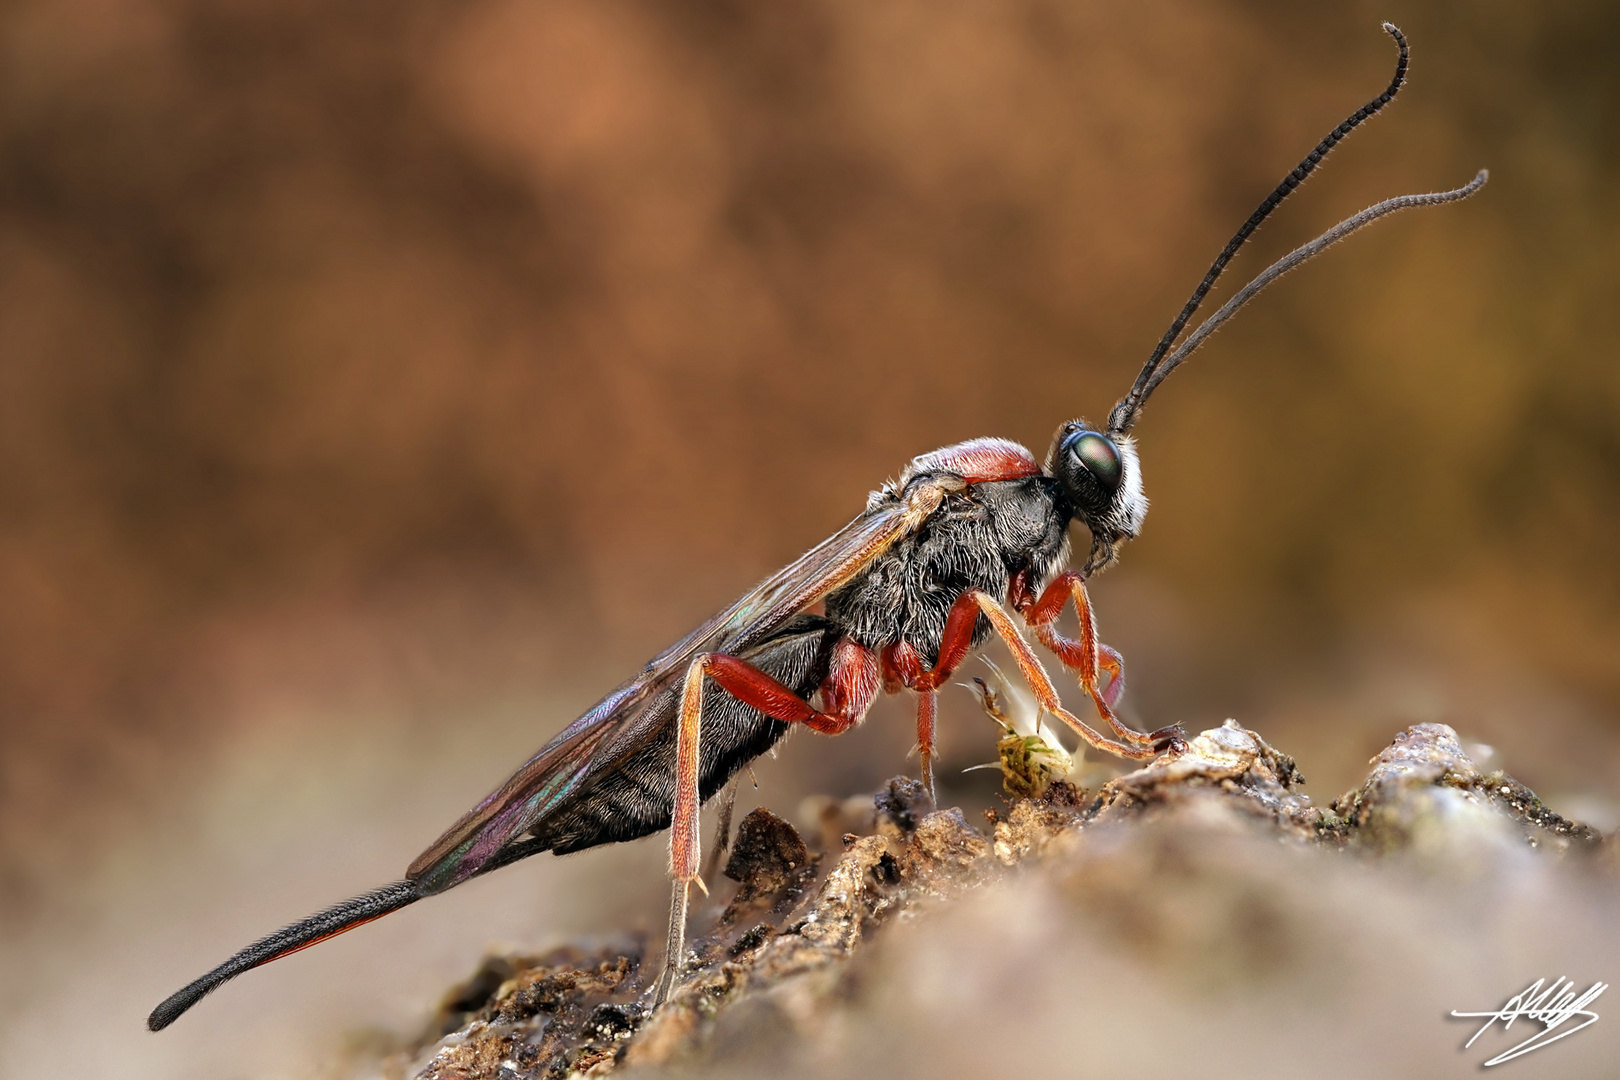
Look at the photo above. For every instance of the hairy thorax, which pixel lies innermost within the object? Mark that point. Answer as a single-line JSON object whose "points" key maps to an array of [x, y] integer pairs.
{"points": [[978, 538]]}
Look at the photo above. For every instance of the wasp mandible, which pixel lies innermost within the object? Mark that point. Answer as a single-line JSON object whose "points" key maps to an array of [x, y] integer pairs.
{"points": [[965, 544]]}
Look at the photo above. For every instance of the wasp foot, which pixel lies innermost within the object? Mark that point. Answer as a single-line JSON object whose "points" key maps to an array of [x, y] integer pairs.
{"points": [[1169, 740]]}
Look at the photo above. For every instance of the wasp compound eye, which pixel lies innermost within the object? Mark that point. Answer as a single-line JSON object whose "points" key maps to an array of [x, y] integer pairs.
{"points": [[1100, 457]]}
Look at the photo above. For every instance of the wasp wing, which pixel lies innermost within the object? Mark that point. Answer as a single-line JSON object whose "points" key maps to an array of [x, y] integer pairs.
{"points": [[584, 749]]}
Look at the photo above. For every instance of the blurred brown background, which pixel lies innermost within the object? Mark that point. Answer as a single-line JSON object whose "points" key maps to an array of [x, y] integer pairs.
{"points": [[381, 382]]}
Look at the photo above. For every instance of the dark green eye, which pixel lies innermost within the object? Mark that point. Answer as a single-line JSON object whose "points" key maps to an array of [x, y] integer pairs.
{"points": [[1099, 456]]}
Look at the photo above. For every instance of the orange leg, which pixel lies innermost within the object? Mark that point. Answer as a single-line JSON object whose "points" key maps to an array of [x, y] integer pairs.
{"points": [[1045, 693], [848, 691], [1110, 661], [1086, 657]]}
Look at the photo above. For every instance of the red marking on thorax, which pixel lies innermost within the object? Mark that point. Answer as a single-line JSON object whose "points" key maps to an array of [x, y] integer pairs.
{"points": [[981, 460]]}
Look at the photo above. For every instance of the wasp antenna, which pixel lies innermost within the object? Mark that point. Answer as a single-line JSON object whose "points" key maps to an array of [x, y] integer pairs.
{"points": [[1124, 415], [1302, 254]]}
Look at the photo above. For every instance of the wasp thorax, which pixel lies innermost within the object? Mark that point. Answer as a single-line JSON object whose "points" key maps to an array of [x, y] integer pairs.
{"points": [[1104, 482]]}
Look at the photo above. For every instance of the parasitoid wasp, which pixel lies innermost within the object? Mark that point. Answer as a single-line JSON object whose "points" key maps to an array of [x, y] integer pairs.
{"points": [[939, 561]]}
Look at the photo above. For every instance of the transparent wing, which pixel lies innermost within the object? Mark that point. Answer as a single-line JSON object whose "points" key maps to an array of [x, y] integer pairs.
{"points": [[572, 758]]}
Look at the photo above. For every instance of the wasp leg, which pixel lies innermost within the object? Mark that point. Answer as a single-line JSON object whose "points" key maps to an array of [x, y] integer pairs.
{"points": [[1087, 657], [1045, 693], [848, 691], [722, 831], [906, 668], [675, 943], [927, 714]]}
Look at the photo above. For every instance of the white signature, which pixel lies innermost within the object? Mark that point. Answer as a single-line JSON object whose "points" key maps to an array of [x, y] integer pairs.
{"points": [[1551, 1006]]}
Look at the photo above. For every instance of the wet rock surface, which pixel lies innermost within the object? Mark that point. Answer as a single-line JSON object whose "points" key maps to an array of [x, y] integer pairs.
{"points": [[914, 938]]}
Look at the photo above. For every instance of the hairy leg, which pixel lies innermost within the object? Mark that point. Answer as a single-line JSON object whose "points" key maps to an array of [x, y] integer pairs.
{"points": [[906, 668], [1085, 656], [1041, 685], [848, 691]]}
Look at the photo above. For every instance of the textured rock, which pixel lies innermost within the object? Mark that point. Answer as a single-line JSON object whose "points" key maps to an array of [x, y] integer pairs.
{"points": [[1229, 760], [1210, 868], [1423, 790]]}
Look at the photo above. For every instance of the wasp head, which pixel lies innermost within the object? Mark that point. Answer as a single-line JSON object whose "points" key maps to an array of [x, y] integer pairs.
{"points": [[1103, 480]]}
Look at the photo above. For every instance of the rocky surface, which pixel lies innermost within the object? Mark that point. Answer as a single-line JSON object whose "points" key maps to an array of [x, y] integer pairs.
{"points": [[1201, 905]]}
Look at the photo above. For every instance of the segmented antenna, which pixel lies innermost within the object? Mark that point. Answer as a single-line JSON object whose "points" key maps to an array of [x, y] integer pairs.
{"points": [[1125, 413], [1299, 255]]}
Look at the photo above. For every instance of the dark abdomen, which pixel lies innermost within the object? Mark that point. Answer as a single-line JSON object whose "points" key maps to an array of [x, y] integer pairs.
{"points": [[635, 799]]}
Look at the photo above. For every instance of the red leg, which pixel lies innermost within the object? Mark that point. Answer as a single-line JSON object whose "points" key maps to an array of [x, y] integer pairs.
{"points": [[927, 710], [849, 689], [904, 666], [1114, 664], [851, 686], [1086, 657], [1045, 693]]}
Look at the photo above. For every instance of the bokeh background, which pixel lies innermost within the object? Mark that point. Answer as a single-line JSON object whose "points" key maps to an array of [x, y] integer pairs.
{"points": [[382, 382]]}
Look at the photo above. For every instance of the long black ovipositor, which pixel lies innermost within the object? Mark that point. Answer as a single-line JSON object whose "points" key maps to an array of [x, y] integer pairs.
{"points": [[300, 935]]}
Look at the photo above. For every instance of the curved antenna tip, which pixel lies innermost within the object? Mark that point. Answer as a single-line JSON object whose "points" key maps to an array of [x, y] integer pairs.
{"points": [[1124, 414], [1300, 255]]}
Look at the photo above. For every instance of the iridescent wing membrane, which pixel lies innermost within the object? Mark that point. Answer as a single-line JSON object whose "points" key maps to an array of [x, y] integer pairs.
{"points": [[589, 754], [624, 720]]}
